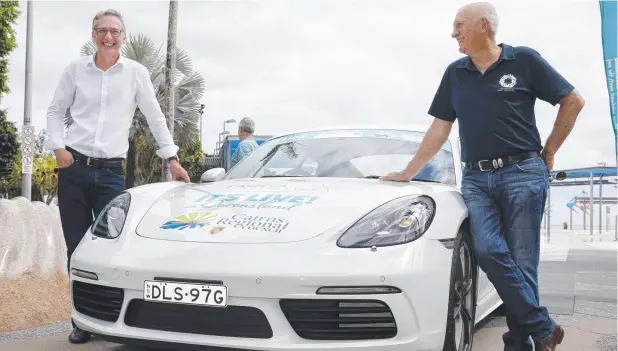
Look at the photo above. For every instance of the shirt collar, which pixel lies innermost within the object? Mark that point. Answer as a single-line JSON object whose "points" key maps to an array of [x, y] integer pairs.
{"points": [[90, 61], [506, 54]]}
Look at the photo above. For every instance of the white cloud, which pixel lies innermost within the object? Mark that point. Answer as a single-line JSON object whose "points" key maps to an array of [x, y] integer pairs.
{"points": [[296, 64]]}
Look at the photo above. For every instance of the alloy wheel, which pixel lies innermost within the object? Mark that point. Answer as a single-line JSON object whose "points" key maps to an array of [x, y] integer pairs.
{"points": [[462, 309]]}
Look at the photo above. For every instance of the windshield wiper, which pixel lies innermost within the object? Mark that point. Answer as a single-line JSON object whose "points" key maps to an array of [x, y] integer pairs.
{"points": [[281, 176], [372, 177]]}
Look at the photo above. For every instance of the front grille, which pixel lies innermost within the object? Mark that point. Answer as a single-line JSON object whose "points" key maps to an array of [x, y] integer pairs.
{"points": [[97, 301], [230, 321], [339, 319]]}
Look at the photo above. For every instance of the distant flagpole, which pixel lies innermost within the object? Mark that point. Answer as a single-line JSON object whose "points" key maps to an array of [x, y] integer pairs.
{"points": [[609, 38]]}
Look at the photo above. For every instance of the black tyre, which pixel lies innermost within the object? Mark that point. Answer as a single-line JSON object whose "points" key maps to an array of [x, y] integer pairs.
{"points": [[462, 296]]}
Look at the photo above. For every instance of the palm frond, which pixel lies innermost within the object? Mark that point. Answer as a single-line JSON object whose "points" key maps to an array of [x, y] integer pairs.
{"points": [[89, 48], [141, 49], [192, 84], [184, 64], [68, 119]]}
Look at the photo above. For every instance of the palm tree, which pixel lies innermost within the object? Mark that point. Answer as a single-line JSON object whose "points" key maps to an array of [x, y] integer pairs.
{"points": [[190, 87], [170, 65]]}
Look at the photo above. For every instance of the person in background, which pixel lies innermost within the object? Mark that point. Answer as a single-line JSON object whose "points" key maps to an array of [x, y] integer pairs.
{"points": [[246, 129], [492, 91], [102, 92]]}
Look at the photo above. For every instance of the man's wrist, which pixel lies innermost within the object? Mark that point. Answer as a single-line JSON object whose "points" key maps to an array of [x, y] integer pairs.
{"points": [[172, 159], [409, 171], [548, 152]]}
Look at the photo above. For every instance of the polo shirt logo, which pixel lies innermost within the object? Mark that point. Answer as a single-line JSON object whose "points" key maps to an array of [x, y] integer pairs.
{"points": [[508, 81]]}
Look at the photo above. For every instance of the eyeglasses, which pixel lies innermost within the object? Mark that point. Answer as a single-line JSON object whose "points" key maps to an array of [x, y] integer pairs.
{"points": [[103, 32]]}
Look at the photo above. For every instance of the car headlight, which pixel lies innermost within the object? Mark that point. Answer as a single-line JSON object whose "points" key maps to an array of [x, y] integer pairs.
{"points": [[397, 222], [111, 220]]}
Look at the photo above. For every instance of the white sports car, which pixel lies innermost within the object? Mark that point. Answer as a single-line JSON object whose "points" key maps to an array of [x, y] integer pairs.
{"points": [[298, 247]]}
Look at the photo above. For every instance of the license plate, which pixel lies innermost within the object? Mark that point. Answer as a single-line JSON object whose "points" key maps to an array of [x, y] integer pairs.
{"points": [[186, 293]]}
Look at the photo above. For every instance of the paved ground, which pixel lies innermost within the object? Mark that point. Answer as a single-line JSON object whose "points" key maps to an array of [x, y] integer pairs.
{"points": [[578, 285], [580, 293]]}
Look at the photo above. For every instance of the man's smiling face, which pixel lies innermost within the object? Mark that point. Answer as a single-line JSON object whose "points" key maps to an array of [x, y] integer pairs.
{"points": [[109, 36], [463, 31]]}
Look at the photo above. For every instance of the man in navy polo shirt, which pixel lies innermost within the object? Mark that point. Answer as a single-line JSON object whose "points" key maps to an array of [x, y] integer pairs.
{"points": [[492, 92]]}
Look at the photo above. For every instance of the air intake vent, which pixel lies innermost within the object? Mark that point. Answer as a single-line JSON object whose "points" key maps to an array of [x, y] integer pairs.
{"points": [[97, 301], [230, 321], [340, 319]]}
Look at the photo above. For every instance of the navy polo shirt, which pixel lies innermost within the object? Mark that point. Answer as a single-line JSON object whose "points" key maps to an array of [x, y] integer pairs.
{"points": [[495, 110]]}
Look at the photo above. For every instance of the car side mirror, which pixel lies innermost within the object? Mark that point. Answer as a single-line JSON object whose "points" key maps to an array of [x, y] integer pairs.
{"points": [[212, 175]]}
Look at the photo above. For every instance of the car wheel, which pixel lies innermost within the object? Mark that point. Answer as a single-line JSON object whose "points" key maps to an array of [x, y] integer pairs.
{"points": [[462, 296]]}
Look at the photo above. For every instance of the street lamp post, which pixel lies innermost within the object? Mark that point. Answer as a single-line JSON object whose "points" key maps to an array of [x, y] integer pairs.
{"points": [[228, 121], [201, 119]]}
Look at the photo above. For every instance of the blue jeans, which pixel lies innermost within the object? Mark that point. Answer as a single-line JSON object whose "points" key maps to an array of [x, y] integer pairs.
{"points": [[505, 209], [83, 192]]}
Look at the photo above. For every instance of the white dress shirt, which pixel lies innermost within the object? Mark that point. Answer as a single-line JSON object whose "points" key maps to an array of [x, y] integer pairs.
{"points": [[102, 106]]}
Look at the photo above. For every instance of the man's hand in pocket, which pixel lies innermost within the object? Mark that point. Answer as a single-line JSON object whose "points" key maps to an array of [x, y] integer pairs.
{"points": [[63, 158]]}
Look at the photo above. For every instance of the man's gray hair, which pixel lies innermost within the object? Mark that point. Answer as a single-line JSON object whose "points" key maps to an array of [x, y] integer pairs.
{"points": [[108, 12], [488, 11], [246, 124]]}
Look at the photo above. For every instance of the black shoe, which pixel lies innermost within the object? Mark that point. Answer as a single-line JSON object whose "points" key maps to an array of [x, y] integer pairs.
{"points": [[79, 336]]}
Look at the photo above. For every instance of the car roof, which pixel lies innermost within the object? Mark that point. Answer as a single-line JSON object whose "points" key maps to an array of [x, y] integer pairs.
{"points": [[386, 126]]}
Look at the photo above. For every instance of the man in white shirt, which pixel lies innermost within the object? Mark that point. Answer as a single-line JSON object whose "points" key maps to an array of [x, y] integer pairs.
{"points": [[102, 92]]}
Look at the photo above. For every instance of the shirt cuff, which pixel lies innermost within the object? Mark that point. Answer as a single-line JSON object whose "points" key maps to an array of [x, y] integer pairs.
{"points": [[50, 144], [168, 151]]}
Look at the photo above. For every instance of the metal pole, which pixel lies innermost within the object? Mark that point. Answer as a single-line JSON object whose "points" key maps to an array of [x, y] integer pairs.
{"points": [[607, 218], [591, 206], [600, 204], [202, 107], [548, 212], [571, 219], [616, 228], [26, 177]]}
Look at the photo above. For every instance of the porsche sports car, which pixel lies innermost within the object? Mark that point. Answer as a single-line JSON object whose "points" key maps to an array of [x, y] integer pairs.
{"points": [[300, 246]]}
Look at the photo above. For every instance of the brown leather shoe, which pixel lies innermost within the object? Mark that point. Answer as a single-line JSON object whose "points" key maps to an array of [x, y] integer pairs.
{"points": [[555, 338]]}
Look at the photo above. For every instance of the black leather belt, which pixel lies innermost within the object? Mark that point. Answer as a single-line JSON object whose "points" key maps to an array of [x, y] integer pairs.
{"points": [[490, 165], [95, 162]]}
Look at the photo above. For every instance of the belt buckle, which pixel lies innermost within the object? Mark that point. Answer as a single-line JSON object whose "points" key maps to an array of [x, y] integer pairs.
{"points": [[88, 159], [481, 167]]}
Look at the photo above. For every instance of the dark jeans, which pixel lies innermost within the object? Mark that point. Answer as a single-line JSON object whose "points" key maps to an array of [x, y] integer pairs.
{"points": [[83, 192], [506, 209]]}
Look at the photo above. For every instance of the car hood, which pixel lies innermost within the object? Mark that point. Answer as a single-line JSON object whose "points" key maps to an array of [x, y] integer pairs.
{"points": [[267, 210]]}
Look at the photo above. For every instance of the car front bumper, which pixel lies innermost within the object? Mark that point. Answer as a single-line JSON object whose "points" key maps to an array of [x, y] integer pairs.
{"points": [[260, 281]]}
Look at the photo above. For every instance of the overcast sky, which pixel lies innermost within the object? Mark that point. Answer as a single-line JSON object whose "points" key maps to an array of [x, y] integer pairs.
{"points": [[304, 63]]}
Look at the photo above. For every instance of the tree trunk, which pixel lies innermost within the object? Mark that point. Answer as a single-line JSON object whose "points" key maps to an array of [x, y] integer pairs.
{"points": [[169, 78], [130, 178]]}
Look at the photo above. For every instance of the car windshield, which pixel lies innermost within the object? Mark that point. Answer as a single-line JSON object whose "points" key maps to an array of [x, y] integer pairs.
{"points": [[343, 154]]}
